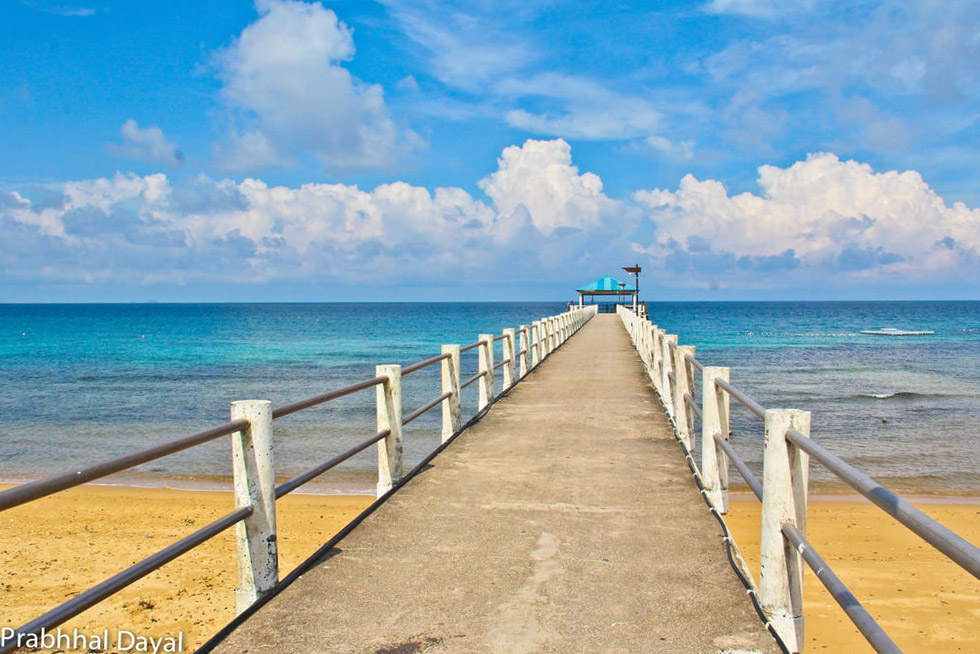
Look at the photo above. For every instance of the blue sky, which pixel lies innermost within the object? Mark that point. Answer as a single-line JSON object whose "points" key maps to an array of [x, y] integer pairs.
{"points": [[737, 149]]}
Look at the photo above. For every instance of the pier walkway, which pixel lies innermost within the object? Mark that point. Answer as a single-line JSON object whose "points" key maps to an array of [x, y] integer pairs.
{"points": [[566, 520]]}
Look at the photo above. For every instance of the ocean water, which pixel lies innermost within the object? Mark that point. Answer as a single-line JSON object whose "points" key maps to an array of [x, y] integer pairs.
{"points": [[904, 409], [82, 383]]}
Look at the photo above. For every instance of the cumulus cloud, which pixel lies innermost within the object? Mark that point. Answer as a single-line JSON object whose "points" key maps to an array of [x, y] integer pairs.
{"points": [[148, 145], [290, 96], [816, 221], [821, 214], [539, 179], [148, 230]]}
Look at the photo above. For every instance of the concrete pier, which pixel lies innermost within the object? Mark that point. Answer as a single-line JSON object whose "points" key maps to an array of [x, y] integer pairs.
{"points": [[564, 521]]}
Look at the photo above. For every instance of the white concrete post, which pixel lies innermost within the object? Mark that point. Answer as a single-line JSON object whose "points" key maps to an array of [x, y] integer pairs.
{"points": [[647, 341], [255, 486], [452, 409], [510, 350], [785, 470], [682, 386], [535, 343], [714, 420], [389, 410], [657, 354], [525, 345], [486, 366], [666, 391]]}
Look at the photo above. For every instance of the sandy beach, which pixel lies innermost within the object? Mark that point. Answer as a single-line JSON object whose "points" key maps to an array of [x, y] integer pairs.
{"points": [[923, 601], [56, 547]]}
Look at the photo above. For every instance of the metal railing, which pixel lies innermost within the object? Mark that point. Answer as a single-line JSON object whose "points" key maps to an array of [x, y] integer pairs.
{"points": [[783, 488], [254, 467]]}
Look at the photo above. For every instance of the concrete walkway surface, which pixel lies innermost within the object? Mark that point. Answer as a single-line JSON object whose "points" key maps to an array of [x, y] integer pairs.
{"points": [[564, 521]]}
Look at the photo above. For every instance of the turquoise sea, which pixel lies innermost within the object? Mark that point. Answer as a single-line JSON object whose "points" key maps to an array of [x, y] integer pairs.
{"points": [[85, 382]]}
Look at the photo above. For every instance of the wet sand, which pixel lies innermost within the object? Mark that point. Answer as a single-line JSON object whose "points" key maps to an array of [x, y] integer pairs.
{"points": [[59, 546], [923, 601]]}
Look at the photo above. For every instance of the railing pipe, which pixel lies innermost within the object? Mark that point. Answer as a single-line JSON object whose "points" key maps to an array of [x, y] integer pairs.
{"points": [[289, 486], [407, 370], [959, 550], [35, 490], [692, 404], [425, 407], [299, 405], [866, 624], [754, 484], [746, 401], [134, 573], [474, 378]]}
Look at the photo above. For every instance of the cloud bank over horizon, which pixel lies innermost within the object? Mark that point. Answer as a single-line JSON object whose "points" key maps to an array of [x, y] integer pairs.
{"points": [[819, 221]]}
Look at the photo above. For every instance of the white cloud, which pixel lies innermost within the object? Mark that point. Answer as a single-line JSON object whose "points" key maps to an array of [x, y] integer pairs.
{"points": [[290, 95], [816, 221], [58, 9], [538, 178], [675, 150], [585, 109], [821, 213], [147, 230], [464, 50], [146, 144], [759, 8]]}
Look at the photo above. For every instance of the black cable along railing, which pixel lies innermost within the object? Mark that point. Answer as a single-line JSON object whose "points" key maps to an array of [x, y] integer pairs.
{"points": [[671, 369], [252, 437]]}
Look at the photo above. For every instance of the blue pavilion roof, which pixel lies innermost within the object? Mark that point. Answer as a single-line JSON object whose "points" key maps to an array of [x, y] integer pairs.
{"points": [[606, 283]]}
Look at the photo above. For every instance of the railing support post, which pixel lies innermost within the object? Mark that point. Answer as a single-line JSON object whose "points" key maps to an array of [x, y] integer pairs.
{"points": [[510, 340], [525, 346], [452, 410], [656, 352], [536, 327], [784, 496], [486, 367], [666, 390], [389, 410], [714, 420], [682, 387], [255, 486]]}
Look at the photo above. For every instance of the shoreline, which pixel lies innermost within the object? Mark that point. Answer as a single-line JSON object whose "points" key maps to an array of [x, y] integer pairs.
{"points": [[363, 483]]}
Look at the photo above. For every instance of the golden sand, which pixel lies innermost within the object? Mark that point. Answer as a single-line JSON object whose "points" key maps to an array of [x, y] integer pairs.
{"points": [[923, 601], [59, 546]]}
